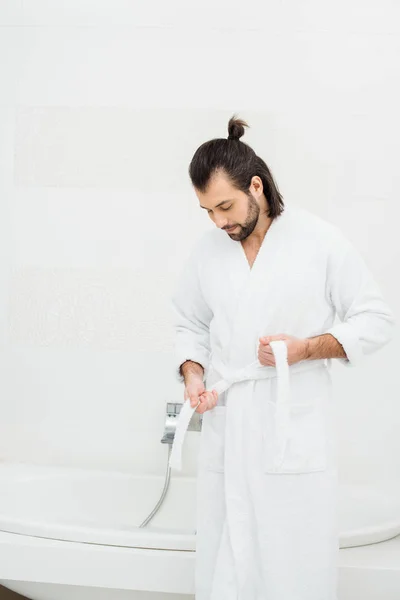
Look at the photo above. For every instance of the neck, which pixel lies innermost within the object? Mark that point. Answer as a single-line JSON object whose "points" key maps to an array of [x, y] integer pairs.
{"points": [[258, 233]]}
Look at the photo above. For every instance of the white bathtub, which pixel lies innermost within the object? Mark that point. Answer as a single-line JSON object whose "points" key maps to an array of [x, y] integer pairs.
{"points": [[73, 533]]}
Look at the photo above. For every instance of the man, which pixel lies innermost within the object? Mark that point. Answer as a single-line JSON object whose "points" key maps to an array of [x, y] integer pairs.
{"points": [[267, 530]]}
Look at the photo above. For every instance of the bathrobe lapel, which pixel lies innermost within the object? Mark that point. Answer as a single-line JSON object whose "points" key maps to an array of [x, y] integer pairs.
{"points": [[256, 302], [252, 317]]}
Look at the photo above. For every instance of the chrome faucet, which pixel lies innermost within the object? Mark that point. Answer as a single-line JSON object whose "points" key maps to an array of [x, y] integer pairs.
{"points": [[171, 420]]}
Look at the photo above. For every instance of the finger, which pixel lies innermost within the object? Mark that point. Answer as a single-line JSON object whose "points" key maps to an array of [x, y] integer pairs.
{"points": [[214, 398], [194, 400], [272, 338], [202, 408], [210, 399], [203, 404], [267, 358], [268, 353]]}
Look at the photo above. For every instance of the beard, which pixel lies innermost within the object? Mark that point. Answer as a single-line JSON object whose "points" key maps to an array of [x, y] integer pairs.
{"points": [[253, 211]]}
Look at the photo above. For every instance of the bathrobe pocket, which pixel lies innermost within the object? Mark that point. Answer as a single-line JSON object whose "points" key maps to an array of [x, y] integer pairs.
{"points": [[306, 444], [212, 441]]}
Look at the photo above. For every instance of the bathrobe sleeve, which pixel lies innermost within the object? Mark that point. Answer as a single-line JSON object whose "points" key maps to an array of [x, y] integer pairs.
{"points": [[366, 322], [191, 317]]}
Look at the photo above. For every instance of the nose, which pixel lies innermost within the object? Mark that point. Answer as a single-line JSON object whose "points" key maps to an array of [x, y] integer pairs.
{"points": [[221, 224]]}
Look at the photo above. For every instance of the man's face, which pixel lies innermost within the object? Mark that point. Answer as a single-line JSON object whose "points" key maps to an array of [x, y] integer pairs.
{"points": [[228, 207]]}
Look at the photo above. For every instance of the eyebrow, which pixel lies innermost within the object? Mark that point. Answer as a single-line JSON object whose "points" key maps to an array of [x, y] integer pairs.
{"points": [[223, 202]]}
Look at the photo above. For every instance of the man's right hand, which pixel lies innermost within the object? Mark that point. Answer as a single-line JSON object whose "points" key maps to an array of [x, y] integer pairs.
{"points": [[196, 391]]}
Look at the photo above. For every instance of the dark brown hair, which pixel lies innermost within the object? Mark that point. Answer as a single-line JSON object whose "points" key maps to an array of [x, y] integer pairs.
{"points": [[239, 162]]}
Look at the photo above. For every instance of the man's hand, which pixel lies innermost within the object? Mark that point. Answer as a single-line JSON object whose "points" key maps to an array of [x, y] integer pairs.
{"points": [[196, 391], [297, 349]]}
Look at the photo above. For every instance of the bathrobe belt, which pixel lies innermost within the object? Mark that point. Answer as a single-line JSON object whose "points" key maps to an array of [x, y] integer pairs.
{"points": [[252, 371]]}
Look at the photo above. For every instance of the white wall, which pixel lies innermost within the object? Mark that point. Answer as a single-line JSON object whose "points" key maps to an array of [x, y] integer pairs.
{"points": [[102, 106]]}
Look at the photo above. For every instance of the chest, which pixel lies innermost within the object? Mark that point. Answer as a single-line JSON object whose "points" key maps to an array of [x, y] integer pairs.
{"points": [[250, 253], [291, 278]]}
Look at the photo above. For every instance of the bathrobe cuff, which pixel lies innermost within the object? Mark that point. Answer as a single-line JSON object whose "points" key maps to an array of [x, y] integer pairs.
{"points": [[346, 336]]}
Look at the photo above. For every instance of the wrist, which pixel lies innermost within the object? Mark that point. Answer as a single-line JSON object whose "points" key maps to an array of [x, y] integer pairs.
{"points": [[307, 349], [191, 371], [193, 377]]}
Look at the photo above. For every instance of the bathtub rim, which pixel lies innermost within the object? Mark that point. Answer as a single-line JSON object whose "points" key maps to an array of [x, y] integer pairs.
{"points": [[23, 558], [158, 538], [147, 538], [28, 558]]}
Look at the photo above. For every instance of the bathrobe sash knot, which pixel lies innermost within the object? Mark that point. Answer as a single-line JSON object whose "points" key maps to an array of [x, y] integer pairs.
{"points": [[252, 371]]}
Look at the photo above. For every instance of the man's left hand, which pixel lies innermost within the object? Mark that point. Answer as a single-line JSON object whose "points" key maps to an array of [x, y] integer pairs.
{"points": [[297, 349]]}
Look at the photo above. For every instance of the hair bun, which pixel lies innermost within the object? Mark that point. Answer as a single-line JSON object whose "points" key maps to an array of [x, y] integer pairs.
{"points": [[236, 128]]}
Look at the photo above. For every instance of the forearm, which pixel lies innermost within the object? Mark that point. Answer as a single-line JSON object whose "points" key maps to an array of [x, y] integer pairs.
{"points": [[189, 369], [324, 346]]}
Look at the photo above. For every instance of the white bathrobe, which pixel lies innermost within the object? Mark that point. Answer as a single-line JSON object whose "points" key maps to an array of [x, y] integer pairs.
{"points": [[267, 526]]}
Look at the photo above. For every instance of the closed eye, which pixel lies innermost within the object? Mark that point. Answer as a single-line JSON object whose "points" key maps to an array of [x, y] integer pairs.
{"points": [[222, 208]]}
